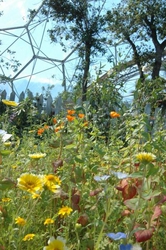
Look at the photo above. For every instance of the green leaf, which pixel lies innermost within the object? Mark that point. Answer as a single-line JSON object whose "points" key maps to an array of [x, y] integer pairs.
{"points": [[150, 194], [136, 175], [79, 160], [132, 203], [70, 146], [152, 171], [7, 184], [5, 152]]}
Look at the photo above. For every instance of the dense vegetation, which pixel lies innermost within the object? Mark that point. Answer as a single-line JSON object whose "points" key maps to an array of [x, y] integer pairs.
{"points": [[93, 176]]}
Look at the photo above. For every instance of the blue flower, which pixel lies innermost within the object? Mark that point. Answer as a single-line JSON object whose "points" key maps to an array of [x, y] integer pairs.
{"points": [[117, 236], [120, 175], [101, 178], [125, 247]]}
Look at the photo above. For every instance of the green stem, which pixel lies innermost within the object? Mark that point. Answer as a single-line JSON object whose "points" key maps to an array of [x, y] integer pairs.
{"points": [[60, 147], [108, 212]]}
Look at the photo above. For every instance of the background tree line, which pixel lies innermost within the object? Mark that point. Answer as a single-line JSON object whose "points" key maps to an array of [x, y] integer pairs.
{"points": [[139, 24]]}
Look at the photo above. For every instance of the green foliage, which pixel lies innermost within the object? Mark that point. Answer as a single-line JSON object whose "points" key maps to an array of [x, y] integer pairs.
{"points": [[150, 91], [103, 97], [75, 152], [141, 24], [80, 22], [17, 119]]}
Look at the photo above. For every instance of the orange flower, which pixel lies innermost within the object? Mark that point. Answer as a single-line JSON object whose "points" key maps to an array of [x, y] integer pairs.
{"points": [[58, 128], [40, 131], [70, 118], [81, 115], [85, 124], [54, 120], [114, 114], [70, 112], [46, 127]]}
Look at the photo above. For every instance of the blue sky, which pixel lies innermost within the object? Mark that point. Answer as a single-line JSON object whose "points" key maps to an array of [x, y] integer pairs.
{"points": [[43, 70]]}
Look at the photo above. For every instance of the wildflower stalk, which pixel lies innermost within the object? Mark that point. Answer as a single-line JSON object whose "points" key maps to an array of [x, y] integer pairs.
{"points": [[60, 146], [108, 212], [78, 240]]}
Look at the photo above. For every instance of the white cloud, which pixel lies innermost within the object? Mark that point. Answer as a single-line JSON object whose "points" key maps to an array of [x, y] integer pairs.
{"points": [[22, 10], [45, 80]]}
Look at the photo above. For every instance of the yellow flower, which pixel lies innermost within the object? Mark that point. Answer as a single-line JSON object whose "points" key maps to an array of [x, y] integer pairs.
{"points": [[56, 244], [58, 128], [20, 221], [28, 237], [65, 211], [48, 221], [7, 144], [36, 196], [145, 157], [85, 124], [37, 156], [52, 182], [52, 178], [6, 199], [14, 166], [10, 103], [114, 114], [30, 183]]}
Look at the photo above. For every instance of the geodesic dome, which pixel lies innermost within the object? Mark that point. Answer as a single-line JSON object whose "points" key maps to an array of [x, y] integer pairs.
{"points": [[28, 58], [27, 55]]}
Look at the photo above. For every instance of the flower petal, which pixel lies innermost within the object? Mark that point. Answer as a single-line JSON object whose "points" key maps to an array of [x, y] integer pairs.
{"points": [[120, 175], [101, 178], [125, 247], [117, 236]]}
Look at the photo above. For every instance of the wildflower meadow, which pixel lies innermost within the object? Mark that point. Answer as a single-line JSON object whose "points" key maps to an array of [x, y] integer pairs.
{"points": [[65, 186]]}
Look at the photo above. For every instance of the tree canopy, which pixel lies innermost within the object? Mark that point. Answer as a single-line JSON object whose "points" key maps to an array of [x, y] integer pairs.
{"points": [[142, 24], [83, 23]]}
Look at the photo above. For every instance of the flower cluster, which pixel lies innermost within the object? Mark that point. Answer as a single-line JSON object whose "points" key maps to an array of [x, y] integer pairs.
{"points": [[40, 131], [71, 115], [35, 184]]}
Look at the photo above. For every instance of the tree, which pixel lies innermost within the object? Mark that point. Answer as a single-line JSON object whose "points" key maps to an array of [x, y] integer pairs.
{"points": [[142, 24], [9, 64], [82, 22]]}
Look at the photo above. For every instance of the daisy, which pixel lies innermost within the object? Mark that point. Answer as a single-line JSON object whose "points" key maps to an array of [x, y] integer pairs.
{"points": [[65, 211], [20, 221], [28, 237], [58, 244], [37, 156], [10, 103], [145, 157], [48, 221], [30, 182]]}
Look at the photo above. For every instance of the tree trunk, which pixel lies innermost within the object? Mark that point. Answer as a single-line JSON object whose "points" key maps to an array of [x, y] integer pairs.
{"points": [[158, 60], [137, 58], [86, 71], [159, 47], [157, 65]]}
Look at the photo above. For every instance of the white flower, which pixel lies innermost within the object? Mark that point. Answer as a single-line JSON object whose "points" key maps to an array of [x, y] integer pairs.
{"points": [[136, 247]]}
